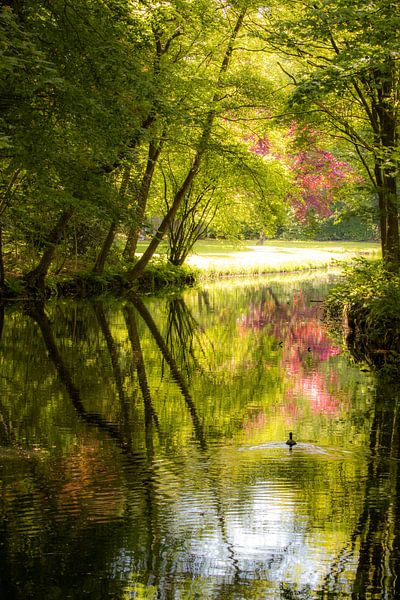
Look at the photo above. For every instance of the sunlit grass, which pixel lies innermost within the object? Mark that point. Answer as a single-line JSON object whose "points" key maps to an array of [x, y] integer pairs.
{"points": [[217, 258]]}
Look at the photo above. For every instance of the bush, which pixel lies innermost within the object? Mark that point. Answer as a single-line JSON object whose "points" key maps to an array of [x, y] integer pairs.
{"points": [[369, 299], [161, 274]]}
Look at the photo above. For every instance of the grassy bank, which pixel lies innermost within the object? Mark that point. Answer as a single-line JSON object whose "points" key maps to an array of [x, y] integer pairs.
{"points": [[158, 277], [367, 301], [215, 258], [210, 259]]}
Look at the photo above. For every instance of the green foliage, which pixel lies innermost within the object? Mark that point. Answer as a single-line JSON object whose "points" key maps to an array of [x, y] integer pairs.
{"points": [[369, 298], [345, 76], [14, 287], [162, 275], [79, 96], [341, 225], [88, 90]]}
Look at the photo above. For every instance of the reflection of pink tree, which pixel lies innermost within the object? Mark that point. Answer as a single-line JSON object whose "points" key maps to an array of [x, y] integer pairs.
{"points": [[317, 388], [305, 345]]}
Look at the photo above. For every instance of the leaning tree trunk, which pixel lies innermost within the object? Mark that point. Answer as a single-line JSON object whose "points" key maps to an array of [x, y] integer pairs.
{"points": [[138, 269], [37, 276], [2, 275], [140, 266], [102, 256], [101, 259], [143, 194]]}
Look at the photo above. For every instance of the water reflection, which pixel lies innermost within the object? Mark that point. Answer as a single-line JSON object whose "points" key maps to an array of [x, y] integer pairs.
{"points": [[143, 451]]}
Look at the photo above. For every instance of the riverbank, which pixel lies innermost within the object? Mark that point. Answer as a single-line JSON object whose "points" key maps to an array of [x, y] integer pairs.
{"points": [[211, 259], [217, 258], [85, 285], [366, 304]]}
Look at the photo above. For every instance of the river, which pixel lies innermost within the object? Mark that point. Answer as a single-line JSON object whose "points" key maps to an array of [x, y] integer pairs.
{"points": [[143, 454]]}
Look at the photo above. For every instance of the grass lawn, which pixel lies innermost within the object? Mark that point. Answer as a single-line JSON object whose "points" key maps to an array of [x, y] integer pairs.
{"points": [[220, 257], [217, 257]]}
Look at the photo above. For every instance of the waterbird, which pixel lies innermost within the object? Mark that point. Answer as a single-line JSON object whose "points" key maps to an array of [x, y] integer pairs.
{"points": [[291, 441]]}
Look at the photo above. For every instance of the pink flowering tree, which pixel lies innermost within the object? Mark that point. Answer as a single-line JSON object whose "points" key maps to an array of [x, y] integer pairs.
{"points": [[318, 174]]}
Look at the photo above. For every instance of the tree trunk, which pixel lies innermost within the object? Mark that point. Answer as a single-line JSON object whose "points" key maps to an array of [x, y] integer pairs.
{"points": [[381, 207], [391, 256], [36, 277], [388, 215], [2, 275], [143, 194], [387, 165], [101, 259], [140, 266]]}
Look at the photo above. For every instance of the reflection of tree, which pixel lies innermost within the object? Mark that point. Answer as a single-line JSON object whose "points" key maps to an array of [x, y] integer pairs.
{"points": [[213, 478], [297, 326], [203, 297], [304, 342], [153, 542], [6, 437], [376, 537], [182, 332], [91, 418], [150, 415], [144, 473], [147, 538], [176, 374], [1, 319], [105, 329], [44, 551], [378, 527], [155, 562]]}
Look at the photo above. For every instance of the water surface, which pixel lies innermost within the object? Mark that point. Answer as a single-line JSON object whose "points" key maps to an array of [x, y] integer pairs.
{"points": [[143, 455]]}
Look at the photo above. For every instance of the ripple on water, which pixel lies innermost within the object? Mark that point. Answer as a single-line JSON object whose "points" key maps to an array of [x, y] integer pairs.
{"points": [[302, 448]]}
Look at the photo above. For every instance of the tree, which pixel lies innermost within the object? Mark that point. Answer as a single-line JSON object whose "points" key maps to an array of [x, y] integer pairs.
{"points": [[179, 66], [78, 105], [200, 151], [342, 61]]}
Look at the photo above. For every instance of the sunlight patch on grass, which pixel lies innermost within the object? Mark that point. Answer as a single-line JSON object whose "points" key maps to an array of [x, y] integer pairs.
{"points": [[214, 259]]}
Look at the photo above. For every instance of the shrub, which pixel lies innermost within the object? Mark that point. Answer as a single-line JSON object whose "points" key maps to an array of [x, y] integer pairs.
{"points": [[369, 298]]}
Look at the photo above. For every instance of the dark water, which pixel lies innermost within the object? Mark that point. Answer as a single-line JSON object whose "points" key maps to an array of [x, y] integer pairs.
{"points": [[143, 455]]}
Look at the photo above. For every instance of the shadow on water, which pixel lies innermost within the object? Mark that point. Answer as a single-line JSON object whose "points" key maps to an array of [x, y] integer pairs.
{"points": [[53, 546], [375, 540]]}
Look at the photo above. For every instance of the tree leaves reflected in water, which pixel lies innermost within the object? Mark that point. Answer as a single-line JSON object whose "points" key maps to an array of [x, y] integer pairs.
{"points": [[120, 425]]}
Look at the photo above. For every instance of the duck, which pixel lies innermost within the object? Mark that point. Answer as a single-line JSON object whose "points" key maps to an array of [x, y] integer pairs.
{"points": [[290, 442]]}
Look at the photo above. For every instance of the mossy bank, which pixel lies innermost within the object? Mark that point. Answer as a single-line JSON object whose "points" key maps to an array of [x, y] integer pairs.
{"points": [[367, 302], [157, 278]]}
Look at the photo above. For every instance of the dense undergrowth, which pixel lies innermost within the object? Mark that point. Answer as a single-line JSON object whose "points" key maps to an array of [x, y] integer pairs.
{"points": [[367, 300], [159, 276]]}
